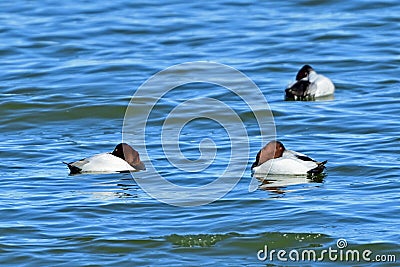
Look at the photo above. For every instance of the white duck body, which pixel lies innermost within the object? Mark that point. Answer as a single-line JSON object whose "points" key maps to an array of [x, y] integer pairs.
{"points": [[288, 164], [320, 85], [104, 162], [275, 159], [123, 159]]}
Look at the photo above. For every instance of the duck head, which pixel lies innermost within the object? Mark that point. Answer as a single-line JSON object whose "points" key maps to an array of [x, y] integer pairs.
{"points": [[272, 150], [130, 155], [304, 72]]}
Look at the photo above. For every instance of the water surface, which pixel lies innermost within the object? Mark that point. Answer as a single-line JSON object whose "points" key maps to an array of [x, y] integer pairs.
{"points": [[68, 71]]}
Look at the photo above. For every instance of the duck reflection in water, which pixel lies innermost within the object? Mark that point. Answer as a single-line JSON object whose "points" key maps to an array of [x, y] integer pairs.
{"points": [[279, 184]]}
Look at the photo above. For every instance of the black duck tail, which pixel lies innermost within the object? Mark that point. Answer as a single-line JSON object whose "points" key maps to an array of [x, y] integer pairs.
{"points": [[319, 169], [72, 169]]}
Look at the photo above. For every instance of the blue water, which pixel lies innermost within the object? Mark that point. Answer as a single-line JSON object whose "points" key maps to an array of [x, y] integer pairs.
{"points": [[69, 69]]}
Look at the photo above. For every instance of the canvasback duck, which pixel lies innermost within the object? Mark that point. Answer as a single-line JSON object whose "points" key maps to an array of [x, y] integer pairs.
{"points": [[274, 158], [309, 85], [123, 159]]}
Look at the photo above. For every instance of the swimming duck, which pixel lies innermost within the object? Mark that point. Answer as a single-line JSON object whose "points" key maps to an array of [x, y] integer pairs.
{"points": [[274, 158], [309, 85], [123, 159]]}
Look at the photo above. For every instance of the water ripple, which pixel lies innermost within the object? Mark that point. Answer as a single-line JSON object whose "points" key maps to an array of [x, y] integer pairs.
{"points": [[69, 69]]}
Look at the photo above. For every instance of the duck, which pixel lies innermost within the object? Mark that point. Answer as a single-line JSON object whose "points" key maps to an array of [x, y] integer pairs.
{"points": [[309, 85], [122, 159], [275, 159]]}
